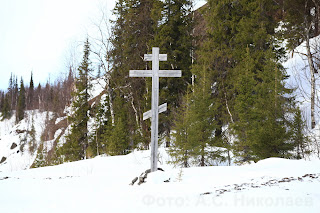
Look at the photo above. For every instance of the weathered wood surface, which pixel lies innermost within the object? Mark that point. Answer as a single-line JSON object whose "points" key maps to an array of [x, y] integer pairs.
{"points": [[148, 114], [155, 73]]}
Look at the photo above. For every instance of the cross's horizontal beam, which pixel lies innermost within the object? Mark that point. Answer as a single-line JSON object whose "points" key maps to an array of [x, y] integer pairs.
{"points": [[148, 114], [162, 57], [148, 73]]}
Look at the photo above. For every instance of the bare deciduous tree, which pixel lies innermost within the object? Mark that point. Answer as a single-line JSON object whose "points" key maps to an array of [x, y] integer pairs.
{"points": [[100, 48]]}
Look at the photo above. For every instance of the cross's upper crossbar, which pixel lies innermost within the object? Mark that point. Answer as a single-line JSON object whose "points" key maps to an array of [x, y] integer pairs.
{"points": [[148, 73], [162, 57]]}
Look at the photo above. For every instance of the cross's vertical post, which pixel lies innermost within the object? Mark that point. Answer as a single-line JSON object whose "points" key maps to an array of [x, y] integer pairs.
{"points": [[154, 108]]}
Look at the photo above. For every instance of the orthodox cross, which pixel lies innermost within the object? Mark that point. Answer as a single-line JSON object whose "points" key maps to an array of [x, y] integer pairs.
{"points": [[155, 73]]}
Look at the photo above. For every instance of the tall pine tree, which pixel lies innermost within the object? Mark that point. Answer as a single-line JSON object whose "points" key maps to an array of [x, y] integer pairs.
{"points": [[133, 30], [6, 108], [21, 106], [173, 25], [247, 81], [77, 141], [31, 93]]}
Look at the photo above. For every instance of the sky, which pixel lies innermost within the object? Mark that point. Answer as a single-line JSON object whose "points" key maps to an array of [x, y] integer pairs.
{"points": [[38, 36]]}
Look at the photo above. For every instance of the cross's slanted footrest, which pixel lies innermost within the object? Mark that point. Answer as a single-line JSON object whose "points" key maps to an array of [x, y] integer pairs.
{"points": [[148, 114]]}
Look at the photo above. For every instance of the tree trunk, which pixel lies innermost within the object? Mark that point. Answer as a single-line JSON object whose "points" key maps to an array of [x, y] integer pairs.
{"points": [[202, 161], [109, 90], [317, 17], [135, 111], [137, 116], [313, 81], [227, 105]]}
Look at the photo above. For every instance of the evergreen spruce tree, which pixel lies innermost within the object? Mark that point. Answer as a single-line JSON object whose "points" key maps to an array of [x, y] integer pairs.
{"points": [[15, 93], [301, 21], [102, 119], [244, 126], [117, 137], [247, 81], [31, 93], [195, 126], [173, 27], [300, 139], [133, 30], [21, 106], [6, 109], [77, 141], [2, 94], [11, 91], [203, 124], [182, 149], [262, 127], [117, 140], [32, 142]]}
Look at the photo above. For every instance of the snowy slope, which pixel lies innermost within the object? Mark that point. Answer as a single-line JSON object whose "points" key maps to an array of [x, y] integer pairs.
{"points": [[15, 140], [20, 156], [298, 68], [102, 185]]}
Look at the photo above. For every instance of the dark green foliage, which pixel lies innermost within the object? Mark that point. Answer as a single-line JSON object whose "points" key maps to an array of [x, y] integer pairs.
{"points": [[21, 106], [31, 93], [11, 91], [6, 109], [301, 20], [102, 121], [117, 139], [183, 148], [117, 136], [299, 138], [238, 85], [195, 125], [140, 25], [32, 135], [8, 99], [262, 127], [2, 95], [203, 118], [241, 60], [40, 159], [173, 26], [132, 30]]}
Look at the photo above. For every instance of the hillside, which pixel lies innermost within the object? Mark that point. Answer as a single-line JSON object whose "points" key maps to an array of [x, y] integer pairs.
{"points": [[16, 152], [19, 150], [102, 184]]}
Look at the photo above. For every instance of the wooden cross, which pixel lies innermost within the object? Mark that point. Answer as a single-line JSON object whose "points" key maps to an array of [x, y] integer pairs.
{"points": [[155, 73]]}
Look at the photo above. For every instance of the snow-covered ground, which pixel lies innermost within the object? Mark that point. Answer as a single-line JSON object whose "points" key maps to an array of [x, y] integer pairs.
{"points": [[102, 185]]}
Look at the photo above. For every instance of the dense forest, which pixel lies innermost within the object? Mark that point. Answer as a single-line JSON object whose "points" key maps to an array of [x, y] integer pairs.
{"points": [[231, 104], [19, 97]]}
